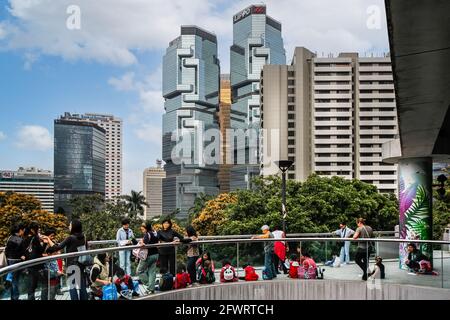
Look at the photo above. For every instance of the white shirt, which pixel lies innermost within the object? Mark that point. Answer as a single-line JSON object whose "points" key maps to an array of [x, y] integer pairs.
{"points": [[278, 234]]}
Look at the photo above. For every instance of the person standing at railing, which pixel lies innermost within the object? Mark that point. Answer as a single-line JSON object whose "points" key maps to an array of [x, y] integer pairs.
{"points": [[344, 232], [364, 248], [34, 249], [147, 267], [167, 253], [270, 272], [279, 250], [15, 253], [192, 253], [125, 237], [76, 242]]}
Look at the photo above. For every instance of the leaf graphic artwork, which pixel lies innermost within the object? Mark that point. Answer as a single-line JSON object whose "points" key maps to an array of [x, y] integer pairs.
{"points": [[406, 200], [417, 217]]}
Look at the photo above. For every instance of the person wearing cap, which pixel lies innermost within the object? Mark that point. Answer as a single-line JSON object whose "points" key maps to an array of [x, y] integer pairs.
{"points": [[269, 267]]}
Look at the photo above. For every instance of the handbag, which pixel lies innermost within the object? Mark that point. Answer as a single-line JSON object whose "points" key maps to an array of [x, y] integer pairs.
{"points": [[3, 260], [140, 254]]}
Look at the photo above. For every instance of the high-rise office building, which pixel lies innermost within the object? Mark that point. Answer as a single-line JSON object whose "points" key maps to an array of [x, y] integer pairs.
{"points": [[153, 179], [113, 151], [31, 181], [224, 124], [257, 42], [333, 115], [191, 91], [79, 161]]}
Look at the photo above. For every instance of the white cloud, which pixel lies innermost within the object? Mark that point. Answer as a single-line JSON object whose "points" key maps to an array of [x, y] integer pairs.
{"points": [[112, 31], [2, 136], [148, 90], [149, 133], [34, 138], [124, 83]]}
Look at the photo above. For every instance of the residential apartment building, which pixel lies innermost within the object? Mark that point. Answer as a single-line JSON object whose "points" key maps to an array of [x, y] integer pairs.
{"points": [[333, 114]]}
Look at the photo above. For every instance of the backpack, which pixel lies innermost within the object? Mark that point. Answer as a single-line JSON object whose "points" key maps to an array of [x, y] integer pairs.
{"points": [[166, 282], [310, 273], [86, 260], [228, 274], [52, 268], [293, 269], [250, 274], [182, 280]]}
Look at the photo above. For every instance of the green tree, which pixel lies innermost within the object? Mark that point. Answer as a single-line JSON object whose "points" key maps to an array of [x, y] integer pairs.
{"points": [[15, 207], [317, 205], [441, 212], [86, 204], [103, 224], [135, 203]]}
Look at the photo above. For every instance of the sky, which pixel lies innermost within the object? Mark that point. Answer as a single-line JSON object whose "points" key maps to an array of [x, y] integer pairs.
{"points": [[105, 56]]}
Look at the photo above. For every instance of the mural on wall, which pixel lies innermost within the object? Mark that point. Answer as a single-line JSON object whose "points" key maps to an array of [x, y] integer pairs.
{"points": [[415, 206]]}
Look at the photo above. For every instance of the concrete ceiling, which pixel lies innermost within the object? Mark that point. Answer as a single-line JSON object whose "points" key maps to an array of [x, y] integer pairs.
{"points": [[419, 38]]}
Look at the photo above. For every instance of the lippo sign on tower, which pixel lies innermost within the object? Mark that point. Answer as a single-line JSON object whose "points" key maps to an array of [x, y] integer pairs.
{"points": [[247, 11]]}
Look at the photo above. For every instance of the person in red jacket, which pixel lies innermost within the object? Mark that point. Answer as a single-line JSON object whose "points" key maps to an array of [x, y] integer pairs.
{"points": [[228, 273], [182, 279]]}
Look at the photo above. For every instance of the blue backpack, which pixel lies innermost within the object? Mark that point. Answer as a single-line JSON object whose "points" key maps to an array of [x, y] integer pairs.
{"points": [[110, 292]]}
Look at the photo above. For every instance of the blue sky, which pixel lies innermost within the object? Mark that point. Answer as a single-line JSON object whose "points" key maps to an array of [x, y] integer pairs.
{"points": [[112, 64]]}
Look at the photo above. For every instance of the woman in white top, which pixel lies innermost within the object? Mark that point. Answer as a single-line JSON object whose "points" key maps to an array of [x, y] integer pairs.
{"points": [[279, 250]]}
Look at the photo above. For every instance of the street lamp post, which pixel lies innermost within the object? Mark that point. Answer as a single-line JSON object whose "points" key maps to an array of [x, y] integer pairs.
{"points": [[284, 166]]}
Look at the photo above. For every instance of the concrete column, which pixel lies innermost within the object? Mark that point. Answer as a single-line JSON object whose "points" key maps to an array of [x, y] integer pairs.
{"points": [[415, 197]]}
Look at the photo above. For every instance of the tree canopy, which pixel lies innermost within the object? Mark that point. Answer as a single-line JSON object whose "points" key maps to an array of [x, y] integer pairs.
{"points": [[317, 205], [15, 208]]}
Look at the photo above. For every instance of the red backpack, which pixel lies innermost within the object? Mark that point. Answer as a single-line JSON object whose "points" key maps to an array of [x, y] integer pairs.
{"points": [[182, 280], [228, 274], [293, 269], [250, 274]]}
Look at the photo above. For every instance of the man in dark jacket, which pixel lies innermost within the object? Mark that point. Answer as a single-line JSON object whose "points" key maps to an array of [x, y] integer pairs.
{"points": [[15, 253], [414, 257]]}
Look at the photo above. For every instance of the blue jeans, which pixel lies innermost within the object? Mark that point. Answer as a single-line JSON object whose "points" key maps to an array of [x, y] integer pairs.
{"points": [[345, 252], [268, 264], [125, 261], [15, 294]]}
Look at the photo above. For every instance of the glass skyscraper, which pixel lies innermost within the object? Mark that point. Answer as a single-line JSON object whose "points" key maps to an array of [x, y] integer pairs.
{"points": [[79, 162], [257, 41], [191, 76]]}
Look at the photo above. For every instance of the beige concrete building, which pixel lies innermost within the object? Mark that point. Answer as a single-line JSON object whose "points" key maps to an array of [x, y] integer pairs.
{"points": [[30, 181], [333, 115], [153, 178]]}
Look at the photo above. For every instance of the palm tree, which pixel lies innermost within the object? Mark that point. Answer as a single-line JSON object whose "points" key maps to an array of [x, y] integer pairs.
{"points": [[135, 202]]}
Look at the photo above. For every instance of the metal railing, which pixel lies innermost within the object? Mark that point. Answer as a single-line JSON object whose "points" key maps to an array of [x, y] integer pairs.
{"points": [[43, 260], [245, 236], [242, 249]]}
